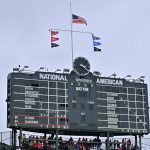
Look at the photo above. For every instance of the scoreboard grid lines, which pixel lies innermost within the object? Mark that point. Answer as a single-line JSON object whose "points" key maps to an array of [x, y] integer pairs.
{"points": [[118, 107], [98, 102], [107, 85], [38, 80], [118, 93], [40, 102], [54, 110]]}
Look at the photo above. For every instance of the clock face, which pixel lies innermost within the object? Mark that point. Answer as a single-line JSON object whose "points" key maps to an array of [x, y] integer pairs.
{"points": [[81, 66]]}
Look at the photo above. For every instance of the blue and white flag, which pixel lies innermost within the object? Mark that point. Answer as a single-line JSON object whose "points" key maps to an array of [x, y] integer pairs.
{"points": [[95, 38], [96, 42]]}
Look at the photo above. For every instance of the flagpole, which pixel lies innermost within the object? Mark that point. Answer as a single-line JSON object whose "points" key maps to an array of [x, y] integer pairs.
{"points": [[71, 34]]}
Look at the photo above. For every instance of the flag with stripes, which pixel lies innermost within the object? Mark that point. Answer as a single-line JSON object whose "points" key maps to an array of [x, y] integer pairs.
{"points": [[78, 20]]}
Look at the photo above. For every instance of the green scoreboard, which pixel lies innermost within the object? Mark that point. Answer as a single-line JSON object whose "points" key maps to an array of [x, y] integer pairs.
{"points": [[78, 102]]}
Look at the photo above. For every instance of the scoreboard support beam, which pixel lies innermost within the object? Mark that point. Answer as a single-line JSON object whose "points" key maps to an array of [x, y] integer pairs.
{"points": [[136, 141], [140, 143], [56, 139], [20, 137], [12, 137], [14, 131], [107, 142], [45, 135], [44, 138]]}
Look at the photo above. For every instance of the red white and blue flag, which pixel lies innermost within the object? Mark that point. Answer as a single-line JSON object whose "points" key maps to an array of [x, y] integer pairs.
{"points": [[78, 20], [54, 38]]}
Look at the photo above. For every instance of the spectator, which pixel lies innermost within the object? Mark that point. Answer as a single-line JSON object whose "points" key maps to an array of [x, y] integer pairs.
{"points": [[71, 140], [115, 145], [110, 144], [106, 143], [39, 145], [128, 144], [123, 144], [118, 144]]}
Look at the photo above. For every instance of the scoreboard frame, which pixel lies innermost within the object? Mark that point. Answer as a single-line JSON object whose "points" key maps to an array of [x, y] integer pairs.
{"points": [[75, 104]]}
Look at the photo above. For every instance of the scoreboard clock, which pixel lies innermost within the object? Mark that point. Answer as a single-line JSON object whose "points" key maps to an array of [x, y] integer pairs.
{"points": [[78, 102], [81, 66]]}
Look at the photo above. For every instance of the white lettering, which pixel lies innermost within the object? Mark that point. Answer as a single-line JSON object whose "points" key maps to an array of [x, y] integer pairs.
{"points": [[31, 92], [29, 121], [82, 113], [28, 106], [27, 117], [83, 80], [110, 108], [28, 88], [110, 98], [112, 126], [31, 95], [29, 99], [109, 81], [31, 103], [112, 94], [112, 122], [82, 89], [111, 101], [58, 77], [111, 112], [112, 119], [111, 105], [90, 102], [112, 115]]}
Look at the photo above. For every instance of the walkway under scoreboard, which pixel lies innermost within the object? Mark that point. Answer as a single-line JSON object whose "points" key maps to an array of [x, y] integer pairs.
{"points": [[78, 101]]}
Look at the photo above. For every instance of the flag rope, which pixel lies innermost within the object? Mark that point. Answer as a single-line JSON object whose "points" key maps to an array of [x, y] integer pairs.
{"points": [[72, 31]]}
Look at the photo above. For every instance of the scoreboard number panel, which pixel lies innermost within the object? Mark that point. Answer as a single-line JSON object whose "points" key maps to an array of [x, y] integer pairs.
{"points": [[78, 101]]}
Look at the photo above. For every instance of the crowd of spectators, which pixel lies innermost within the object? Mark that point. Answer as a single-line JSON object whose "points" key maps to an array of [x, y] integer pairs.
{"points": [[40, 143]]}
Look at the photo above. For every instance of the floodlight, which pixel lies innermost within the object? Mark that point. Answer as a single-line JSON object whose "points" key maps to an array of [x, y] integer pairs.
{"points": [[25, 67], [127, 76], [41, 68], [113, 75], [15, 69], [65, 70], [57, 70], [141, 77], [97, 73]]}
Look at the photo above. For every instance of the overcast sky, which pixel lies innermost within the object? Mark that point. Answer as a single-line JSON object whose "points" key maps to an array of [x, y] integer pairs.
{"points": [[122, 25]]}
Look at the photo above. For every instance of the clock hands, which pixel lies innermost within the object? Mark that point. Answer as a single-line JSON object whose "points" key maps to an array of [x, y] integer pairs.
{"points": [[84, 67]]}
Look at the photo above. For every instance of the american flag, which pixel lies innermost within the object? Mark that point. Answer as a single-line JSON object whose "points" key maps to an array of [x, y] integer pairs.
{"points": [[78, 20]]}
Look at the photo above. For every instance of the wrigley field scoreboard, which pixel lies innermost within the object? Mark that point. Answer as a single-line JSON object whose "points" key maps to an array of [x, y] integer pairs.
{"points": [[79, 101]]}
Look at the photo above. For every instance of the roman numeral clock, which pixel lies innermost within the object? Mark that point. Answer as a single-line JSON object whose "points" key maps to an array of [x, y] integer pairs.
{"points": [[81, 66]]}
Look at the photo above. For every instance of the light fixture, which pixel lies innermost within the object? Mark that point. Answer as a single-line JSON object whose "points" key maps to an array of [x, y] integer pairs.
{"points": [[57, 70], [65, 70], [41, 68], [127, 76], [97, 73], [25, 67], [15, 69], [141, 79], [113, 75]]}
